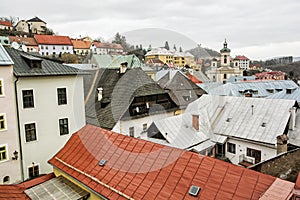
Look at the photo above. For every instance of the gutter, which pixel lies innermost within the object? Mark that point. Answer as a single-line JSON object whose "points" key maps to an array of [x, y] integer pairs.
{"points": [[19, 130]]}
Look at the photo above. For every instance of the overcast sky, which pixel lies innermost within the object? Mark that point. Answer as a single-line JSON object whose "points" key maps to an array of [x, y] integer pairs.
{"points": [[259, 29]]}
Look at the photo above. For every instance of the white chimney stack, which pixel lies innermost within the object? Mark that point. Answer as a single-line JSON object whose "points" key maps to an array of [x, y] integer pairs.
{"points": [[100, 92]]}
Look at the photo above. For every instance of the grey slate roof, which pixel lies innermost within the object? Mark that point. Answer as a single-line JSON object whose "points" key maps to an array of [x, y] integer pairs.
{"points": [[221, 117], [49, 67], [240, 78], [200, 76], [4, 57], [181, 89], [294, 95], [262, 87], [118, 92]]}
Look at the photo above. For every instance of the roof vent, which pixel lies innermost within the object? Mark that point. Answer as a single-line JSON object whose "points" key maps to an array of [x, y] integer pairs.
{"points": [[263, 124], [194, 190], [102, 162], [228, 119]]}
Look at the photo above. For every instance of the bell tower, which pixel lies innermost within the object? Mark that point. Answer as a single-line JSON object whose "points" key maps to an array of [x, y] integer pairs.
{"points": [[225, 55]]}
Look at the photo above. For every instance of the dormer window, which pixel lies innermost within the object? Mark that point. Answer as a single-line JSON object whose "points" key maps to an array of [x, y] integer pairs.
{"points": [[33, 62]]}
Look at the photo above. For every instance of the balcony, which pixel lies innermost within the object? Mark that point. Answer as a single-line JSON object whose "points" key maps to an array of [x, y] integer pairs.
{"points": [[246, 161]]}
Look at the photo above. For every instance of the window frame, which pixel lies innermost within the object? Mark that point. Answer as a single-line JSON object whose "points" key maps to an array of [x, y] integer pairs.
{"points": [[131, 131], [230, 146], [5, 151], [34, 168], [59, 96], [145, 126], [23, 101], [63, 127], [4, 122], [35, 132], [2, 93]]}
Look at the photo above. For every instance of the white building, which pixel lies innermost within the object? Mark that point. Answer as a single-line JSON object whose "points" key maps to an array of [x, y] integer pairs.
{"points": [[50, 106], [9, 144], [106, 48], [53, 45], [244, 62], [225, 68]]}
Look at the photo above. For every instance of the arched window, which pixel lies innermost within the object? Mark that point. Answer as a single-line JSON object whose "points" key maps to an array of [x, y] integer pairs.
{"points": [[225, 59], [6, 180]]}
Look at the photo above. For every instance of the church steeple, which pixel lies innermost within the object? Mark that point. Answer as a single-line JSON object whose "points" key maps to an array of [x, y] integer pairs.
{"points": [[225, 44], [225, 48]]}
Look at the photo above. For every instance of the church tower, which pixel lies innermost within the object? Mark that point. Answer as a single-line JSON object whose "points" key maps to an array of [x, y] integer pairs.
{"points": [[225, 55]]}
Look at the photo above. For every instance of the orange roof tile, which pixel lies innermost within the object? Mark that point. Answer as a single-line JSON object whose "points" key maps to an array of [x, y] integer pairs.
{"points": [[141, 169], [26, 40], [13, 192], [241, 57], [194, 79], [80, 44], [107, 45], [5, 23], [53, 39]]}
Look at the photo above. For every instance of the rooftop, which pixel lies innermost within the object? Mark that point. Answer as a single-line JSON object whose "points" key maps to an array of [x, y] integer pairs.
{"points": [[139, 169], [5, 23], [35, 19], [107, 45], [81, 44], [24, 40], [5, 59], [53, 40]]}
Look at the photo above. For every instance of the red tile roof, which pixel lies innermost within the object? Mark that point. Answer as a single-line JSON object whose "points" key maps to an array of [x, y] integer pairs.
{"points": [[26, 40], [193, 78], [141, 169], [81, 44], [5, 23], [107, 45], [53, 39], [241, 58]]}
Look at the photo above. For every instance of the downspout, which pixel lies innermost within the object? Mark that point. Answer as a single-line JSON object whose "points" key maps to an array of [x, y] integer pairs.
{"points": [[19, 131]]}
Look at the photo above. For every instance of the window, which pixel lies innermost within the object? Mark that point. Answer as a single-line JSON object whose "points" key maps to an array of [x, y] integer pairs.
{"points": [[33, 171], [6, 180], [63, 48], [3, 153], [144, 127], [42, 47], [225, 59], [1, 88], [47, 47], [2, 122], [225, 76], [63, 126], [131, 131], [53, 47], [30, 132], [67, 48], [254, 154], [62, 96], [28, 99], [230, 147]]}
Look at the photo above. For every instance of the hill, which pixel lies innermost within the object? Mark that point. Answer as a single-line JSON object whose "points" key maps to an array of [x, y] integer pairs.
{"points": [[204, 53], [291, 69]]}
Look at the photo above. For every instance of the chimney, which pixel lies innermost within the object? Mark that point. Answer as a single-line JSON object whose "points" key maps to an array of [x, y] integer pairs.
{"points": [[100, 92], [196, 122], [282, 143], [123, 67], [292, 121]]}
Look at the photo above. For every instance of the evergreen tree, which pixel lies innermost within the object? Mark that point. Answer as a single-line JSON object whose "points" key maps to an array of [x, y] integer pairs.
{"points": [[167, 45]]}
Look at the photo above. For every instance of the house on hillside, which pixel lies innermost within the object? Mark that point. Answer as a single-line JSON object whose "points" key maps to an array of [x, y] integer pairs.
{"points": [[30, 43], [108, 165], [46, 94], [54, 45], [106, 48], [244, 130], [34, 26], [225, 68], [81, 47], [125, 100], [4, 25]]}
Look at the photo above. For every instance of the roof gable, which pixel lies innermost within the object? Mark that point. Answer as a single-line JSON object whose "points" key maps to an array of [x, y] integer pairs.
{"points": [[132, 165]]}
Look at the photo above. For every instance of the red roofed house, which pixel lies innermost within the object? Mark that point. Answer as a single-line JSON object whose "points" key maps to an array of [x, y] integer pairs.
{"points": [[54, 45], [106, 48], [81, 47], [273, 75], [4, 25], [114, 166], [244, 62], [30, 43]]}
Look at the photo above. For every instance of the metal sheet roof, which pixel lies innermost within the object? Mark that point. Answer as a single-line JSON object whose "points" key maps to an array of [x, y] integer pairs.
{"points": [[294, 95], [4, 57], [58, 188]]}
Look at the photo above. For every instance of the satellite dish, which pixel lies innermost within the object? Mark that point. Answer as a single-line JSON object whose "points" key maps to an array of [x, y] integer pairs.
{"points": [[24, 48], [15, 45]]}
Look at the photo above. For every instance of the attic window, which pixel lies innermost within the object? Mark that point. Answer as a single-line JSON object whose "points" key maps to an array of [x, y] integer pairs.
{"points": [[263, 124], [278, 89], [289, 91], [270, 90], [228, 119], [102, 162], [194, 190], [33, 62]]}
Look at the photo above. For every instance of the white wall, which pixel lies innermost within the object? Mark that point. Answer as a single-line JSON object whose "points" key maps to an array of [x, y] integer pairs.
{"points": [[44, 49], [9, 136], [241, 148], [123, 126], [46, 114]]}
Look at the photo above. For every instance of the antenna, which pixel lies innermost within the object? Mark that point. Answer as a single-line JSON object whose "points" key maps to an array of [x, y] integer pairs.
{"points": [[24, 48], [15, 45]]}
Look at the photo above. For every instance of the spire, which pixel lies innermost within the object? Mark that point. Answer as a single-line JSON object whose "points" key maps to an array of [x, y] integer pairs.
{"points": [[225, 43], [225, 48]]}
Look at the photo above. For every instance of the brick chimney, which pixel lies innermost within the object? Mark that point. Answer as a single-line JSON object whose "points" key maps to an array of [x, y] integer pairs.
{"points": [[195, 122], [282, 143]]}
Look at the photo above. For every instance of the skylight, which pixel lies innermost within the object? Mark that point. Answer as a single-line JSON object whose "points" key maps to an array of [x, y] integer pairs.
{"points": [[194, 190], [102, 162]]}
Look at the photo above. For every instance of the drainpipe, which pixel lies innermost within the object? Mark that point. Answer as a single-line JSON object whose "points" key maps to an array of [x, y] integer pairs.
{"points": [[19, 131]]}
